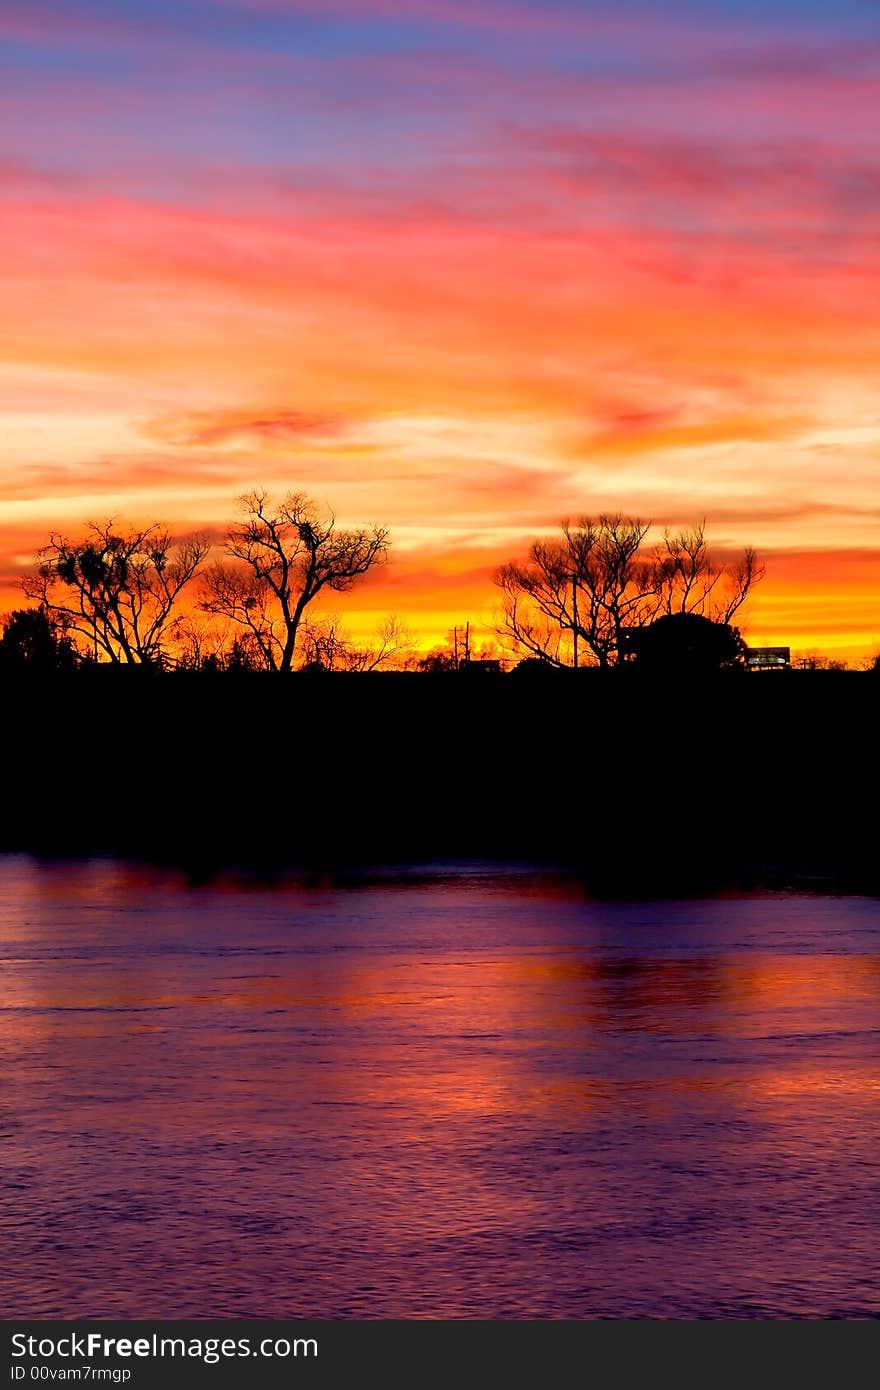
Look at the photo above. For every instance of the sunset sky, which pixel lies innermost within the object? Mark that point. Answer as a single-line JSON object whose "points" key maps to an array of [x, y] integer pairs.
{"points": [[461, 267]]}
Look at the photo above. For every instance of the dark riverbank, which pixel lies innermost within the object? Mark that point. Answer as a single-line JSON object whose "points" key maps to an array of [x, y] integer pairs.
{"points": [[643, 788]]}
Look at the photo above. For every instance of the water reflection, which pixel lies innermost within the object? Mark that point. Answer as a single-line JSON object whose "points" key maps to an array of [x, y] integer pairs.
{"points": [[474, 1096]]}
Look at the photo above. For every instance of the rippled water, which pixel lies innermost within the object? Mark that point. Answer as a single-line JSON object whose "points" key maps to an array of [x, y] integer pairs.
{"points": [[474, 1095]]}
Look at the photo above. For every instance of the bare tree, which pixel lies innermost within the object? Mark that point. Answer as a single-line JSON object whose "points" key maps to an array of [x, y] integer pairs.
{"points": [[392, 645], [200, 645], [282, 557], [583, 588], [583, 593], [325, 645], [116, 590]]}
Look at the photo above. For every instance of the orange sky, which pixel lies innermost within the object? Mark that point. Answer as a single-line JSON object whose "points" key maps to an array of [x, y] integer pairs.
{"points": [[582, 300]]}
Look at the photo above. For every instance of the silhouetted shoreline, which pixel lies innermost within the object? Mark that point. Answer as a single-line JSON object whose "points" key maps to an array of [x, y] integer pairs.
{"points": [[641, 788]]}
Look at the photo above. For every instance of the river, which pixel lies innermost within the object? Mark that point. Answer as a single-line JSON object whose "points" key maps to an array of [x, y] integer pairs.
{"points": [[467, 1093]]}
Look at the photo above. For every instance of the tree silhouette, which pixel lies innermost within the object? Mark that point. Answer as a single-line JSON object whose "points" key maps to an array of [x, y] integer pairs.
{"points": [[586, 591], [116, 591], [35, 644], [282, 557]]}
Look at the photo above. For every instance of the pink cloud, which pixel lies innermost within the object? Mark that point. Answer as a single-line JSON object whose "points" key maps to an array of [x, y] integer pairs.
{"points": [[208, 430]]}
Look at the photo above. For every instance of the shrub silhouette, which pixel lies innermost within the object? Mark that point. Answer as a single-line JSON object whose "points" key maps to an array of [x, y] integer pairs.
{"points": [[690, 644], [33, 644]]}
